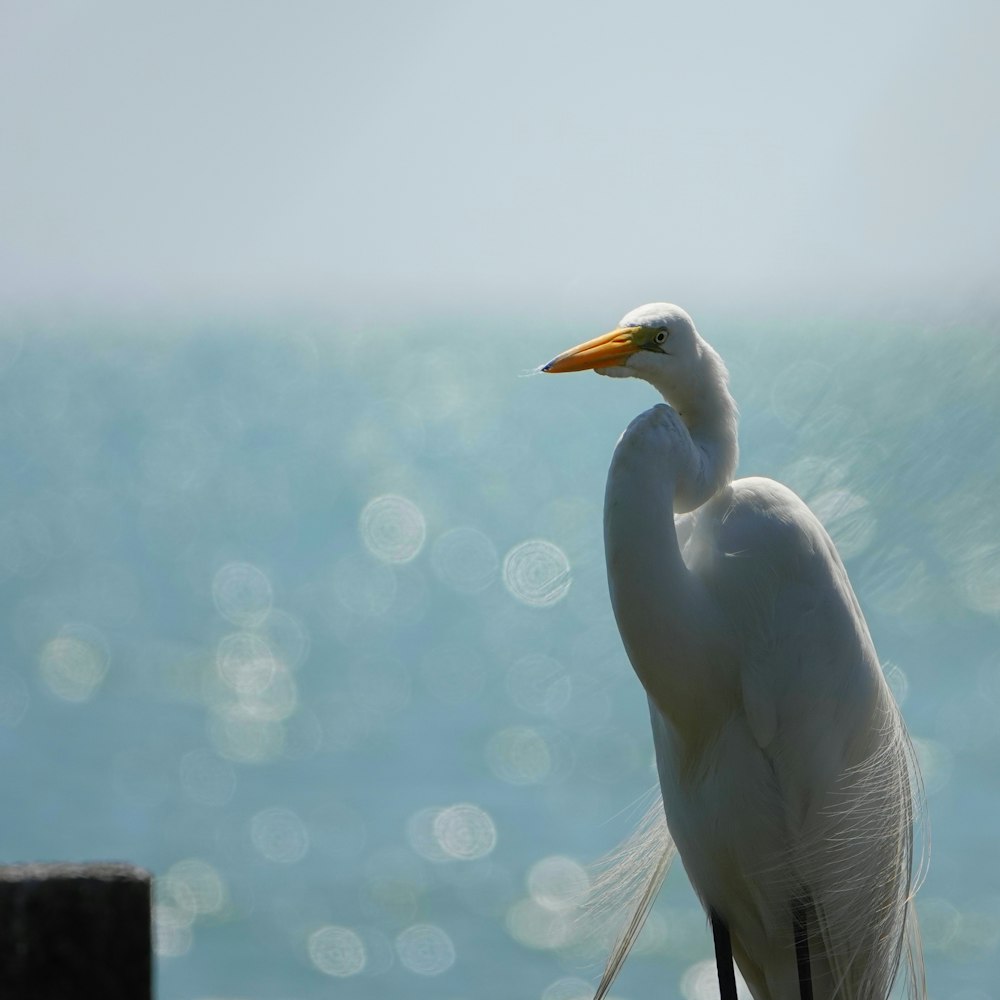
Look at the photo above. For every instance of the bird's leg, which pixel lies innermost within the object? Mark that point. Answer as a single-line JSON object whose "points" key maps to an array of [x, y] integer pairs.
{"points": [[723, 958], [800, 923]]}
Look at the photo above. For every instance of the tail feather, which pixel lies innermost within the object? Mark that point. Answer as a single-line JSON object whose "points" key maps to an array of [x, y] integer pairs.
{"points": [[628, 881]]}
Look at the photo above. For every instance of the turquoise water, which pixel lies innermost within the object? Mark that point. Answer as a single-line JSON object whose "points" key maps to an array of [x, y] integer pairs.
{"points": [[310, 619]]}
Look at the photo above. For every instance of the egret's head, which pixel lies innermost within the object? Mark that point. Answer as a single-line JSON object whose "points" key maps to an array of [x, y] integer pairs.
{"points": [[656, 342], [659, 344]]}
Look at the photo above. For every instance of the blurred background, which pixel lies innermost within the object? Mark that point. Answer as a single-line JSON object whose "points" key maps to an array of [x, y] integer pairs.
{"points": [[302, 596]]}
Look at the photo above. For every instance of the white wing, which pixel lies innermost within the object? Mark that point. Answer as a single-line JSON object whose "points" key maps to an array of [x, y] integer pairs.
{"points": [[801, 791]]}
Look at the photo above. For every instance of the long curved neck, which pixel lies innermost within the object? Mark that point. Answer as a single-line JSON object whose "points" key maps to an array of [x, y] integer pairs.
{"points": [[708, 413], [669, 459]]}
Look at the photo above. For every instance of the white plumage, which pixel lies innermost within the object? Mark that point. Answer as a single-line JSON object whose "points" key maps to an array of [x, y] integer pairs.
{"points": [[786, 773]]}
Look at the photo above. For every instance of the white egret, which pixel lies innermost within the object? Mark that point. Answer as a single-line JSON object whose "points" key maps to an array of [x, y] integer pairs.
{"points": [[786, 774]]}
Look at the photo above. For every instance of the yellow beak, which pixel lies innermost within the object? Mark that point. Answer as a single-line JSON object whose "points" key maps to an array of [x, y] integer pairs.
{"points": [[601, 352]]}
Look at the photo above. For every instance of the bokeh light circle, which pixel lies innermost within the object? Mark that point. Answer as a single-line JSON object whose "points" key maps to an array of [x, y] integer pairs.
{"points": [[465, 559], [421, 836], [465, 832], [238, 733], [519, 755], [537, 573], [172, 935], [245, 663], [393, 528], [337, 951], [425, 949], [537, 926], [195, 885], [279, 835], [73, 668], [242, 594], [558, 883]]}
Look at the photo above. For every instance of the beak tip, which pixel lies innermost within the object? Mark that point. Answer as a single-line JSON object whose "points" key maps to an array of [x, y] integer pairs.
{"points": [[609, 349]]}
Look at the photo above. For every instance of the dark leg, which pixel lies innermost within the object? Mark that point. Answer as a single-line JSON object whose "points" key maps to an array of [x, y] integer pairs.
{"points": [[724, 959], [800, 921]]}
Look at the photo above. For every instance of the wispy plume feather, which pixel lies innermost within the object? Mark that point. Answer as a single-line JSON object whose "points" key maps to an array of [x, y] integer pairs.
{"points": [[626, 883]]}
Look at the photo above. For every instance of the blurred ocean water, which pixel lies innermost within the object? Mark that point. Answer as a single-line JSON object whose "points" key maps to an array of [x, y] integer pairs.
{"points": [[311, 620]]}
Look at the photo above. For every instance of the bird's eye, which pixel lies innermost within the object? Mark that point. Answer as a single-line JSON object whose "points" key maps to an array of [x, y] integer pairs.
{"points": [[660, 337]]}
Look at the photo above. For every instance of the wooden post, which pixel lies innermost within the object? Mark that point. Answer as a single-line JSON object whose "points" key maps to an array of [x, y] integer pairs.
{"points": [[75, 930]]}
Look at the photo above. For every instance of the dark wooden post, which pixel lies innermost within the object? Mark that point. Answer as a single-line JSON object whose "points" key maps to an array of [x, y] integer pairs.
{"points": [[75, 930]]}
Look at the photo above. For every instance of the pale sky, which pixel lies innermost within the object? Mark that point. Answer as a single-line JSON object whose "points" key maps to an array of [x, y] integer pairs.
{"points": [[432, 155]]}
